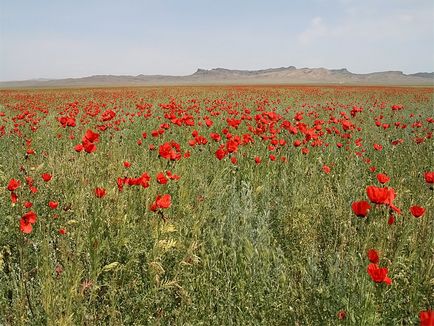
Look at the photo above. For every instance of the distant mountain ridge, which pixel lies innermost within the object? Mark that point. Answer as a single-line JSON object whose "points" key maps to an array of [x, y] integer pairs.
{"points": [[282, 75]]}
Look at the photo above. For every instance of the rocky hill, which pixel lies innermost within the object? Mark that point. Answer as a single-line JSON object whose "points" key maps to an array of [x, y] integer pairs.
{"points": [[283, 75]]}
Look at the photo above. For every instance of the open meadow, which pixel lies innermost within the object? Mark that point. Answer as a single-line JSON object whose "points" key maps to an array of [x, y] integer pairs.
{"points": [[217, 205]]}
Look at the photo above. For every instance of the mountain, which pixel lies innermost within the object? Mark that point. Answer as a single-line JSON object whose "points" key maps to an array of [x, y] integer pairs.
{"points": [[283, 75]]}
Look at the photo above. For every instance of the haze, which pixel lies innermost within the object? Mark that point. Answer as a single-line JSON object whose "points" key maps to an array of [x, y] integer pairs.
{"points": [[58, 39]]}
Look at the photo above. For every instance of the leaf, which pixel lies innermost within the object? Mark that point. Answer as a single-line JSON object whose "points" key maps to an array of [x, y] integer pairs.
{"points": [[168, 228], [166, 245], [110, 267]]}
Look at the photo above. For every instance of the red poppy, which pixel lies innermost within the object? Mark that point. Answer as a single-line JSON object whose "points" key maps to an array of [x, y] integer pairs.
{"points": [[53, 204], [326, 169], [426, 318], [25, 226], [13, 184], [382, 196], [377, 195], [26, 222], [373, 256], [361, 208], [14, 198], [382, 178], [417, 211], [28, 204], [127, 164], [88, 146], [91, 136], [378, 274], [164, 201], [257, 159], [78, 148], [62, 231], [391, 219], [220, 153], [342, 314], [29, 181], [170, 150], [429, 177], [100, 192], [172, 176], [161, 178], [378, 147], [46, 177]]}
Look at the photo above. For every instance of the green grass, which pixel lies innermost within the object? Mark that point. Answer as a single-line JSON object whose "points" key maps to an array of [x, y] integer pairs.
{"points": [[274, 243]]}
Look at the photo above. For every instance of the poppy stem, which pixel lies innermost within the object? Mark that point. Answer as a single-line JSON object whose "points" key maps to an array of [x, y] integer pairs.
{"points": [[161, 213], [24, 279]]}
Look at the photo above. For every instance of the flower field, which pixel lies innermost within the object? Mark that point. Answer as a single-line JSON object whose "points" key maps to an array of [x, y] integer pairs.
{"points": [[217, 205]]}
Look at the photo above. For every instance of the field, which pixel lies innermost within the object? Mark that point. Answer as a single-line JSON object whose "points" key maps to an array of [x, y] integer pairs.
{"points": [[217, 206]]}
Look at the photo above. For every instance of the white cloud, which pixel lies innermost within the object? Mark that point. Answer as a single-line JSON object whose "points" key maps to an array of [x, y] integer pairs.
{"points": [[315, 30]]}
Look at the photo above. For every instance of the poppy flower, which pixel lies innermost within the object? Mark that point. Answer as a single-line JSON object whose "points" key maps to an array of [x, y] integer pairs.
{"points": [[53, 204], [100, 192], [28, 204], [373, 256], [220, 153], [426, 318], [377, 195], [378, 274], [62, 231], [382, 178], [91, 136], [378, 147], [172, 176], [25, 226], [127, 164], [391, 219], [164, 201], [78, 148], [13, 184], [46, 177], [88, 146], [170, 150], [341, 314], [429, 177], [161, 178], [26, 222], [257, 159], [14, 198], [326, 169], [360, 208], [417, 211]]}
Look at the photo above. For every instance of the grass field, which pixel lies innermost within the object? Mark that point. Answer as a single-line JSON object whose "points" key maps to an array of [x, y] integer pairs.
{"points": [[217, 206]]}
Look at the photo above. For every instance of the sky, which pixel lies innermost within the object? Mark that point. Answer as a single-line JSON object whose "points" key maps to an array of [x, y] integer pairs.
{"points": [[76, 38]]}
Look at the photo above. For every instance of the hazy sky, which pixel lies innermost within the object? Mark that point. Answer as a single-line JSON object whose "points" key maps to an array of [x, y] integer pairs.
{"points": [[55, 39]]}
